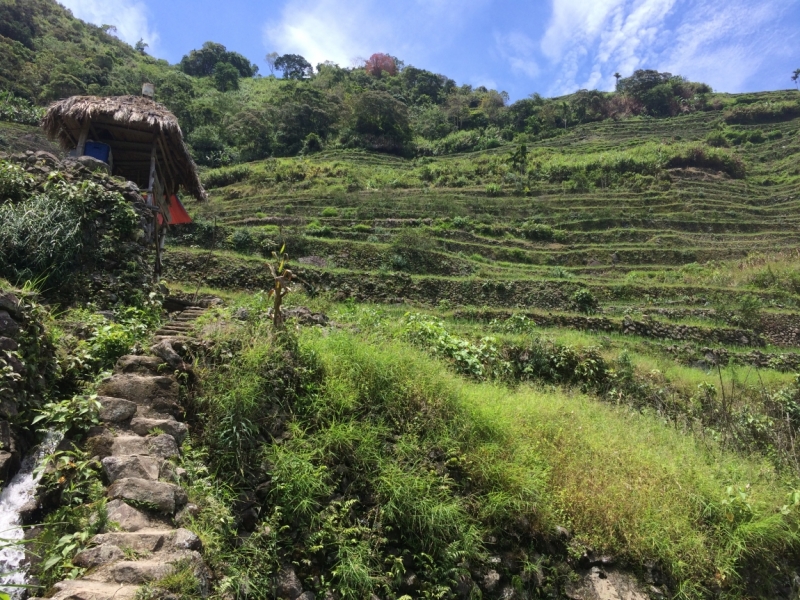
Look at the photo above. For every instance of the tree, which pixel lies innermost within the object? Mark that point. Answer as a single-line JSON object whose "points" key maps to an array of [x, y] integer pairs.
{"points": [[270, 59], [380, 63], [226, 77], [141, 46], [201, 63], [617, 76], [796, 77], [380, 121], [294, 66]]}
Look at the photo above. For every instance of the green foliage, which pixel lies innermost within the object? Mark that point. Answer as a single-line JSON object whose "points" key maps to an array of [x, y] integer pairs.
{"points": [[75, 478], [294, 66], [226, 77], [585, 301], [217, 178], [762, 112], [19, 110], [74, 416], [213, 59], [67, 229]]}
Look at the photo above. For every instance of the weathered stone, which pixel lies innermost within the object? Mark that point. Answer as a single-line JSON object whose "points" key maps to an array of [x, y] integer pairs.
{"points": [[162, 446], [606, 584], [6, 439], [10, 303], [306, 596], [93, 164], [151, 495], [8, 463], [176, 429], [99, 555], [137, 466], [8, 408], [184, 539], [132, 363], [288, 584], [131, 519], [81, 589], [7, 343], [8, 326], [145, 540], [115, 410], [47, 157], [158, 392]]}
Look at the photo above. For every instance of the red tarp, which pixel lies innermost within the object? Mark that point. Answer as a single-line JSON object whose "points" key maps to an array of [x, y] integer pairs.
{"points": [[177, 214]]}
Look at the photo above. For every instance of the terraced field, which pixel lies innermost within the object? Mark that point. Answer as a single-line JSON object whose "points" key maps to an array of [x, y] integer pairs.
{"points": [[688, 246]]}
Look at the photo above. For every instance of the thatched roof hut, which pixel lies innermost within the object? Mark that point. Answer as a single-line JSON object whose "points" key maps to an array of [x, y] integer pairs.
{"points": [[140, 132]]}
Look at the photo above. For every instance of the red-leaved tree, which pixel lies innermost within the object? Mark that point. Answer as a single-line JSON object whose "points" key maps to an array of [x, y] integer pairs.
{"points": [[380, 62]]}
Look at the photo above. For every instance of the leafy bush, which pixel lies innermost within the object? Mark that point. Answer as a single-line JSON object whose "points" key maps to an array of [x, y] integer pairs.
{"points": [[584, 301], [19, 110], [538, 232], [762, 112], [74, 416], [330, 211], [217, 178]]}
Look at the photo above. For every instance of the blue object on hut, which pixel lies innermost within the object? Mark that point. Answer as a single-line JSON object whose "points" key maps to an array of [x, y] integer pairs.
{"points": [[97, 150]]}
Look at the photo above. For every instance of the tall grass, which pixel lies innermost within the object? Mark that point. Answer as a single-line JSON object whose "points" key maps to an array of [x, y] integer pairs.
{"points": [[379, 455]]}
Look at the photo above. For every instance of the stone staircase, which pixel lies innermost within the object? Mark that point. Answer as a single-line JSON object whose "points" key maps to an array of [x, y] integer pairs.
{"points": [[140, 433]]}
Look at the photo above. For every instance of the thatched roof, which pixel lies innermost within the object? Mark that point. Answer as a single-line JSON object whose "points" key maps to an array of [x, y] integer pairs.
{"points": [[130, 125]]}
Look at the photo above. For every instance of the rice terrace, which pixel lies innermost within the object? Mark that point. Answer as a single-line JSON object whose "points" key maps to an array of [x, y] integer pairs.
{"points": [[283, 330]]}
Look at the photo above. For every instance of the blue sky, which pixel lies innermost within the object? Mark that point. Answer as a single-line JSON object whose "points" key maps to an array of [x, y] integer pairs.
{"points": [[546, 46]]}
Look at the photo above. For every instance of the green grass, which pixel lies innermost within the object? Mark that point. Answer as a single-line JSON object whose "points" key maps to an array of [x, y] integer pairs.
{"points": [[447, 471]]}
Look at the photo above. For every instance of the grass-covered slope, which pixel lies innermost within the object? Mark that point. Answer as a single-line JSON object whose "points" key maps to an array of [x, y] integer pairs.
{"points": [[368, 462]]}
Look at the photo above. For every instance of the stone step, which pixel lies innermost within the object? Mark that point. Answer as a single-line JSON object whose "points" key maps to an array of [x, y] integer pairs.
{"points": [[150, 540], [155, 496], [143, 365], [144, 425], [160, 446], [156, 391], [132, 519], [140, 466], [133, 572], [81, 589], [174, 338], [116, 410]]}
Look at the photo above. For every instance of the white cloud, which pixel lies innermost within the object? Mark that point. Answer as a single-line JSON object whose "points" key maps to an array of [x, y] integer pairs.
{"points": [[518, 50], [721, 42], [340, 30], [130, 17]]}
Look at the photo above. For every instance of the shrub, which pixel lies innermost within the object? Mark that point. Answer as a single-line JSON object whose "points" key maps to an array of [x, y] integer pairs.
{"points": [[537, 232], [493, 189], [762, 112], [217, 178], [584, 301], [330, 211]]}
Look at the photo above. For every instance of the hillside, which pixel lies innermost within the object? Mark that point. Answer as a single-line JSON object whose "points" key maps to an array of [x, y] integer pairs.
{"points": [[541, 349]]}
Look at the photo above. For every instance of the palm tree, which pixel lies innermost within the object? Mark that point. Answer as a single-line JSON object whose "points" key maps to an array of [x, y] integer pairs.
{"points": [[618, 77], [795, 77]]}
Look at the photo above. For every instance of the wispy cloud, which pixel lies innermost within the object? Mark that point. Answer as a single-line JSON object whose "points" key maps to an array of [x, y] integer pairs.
{"points": [[519, 51], [340, 30], [130, 17], [721, 42]]}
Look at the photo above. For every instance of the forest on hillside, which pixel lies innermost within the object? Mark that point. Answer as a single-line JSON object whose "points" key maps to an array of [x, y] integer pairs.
{"points": [[230, 113]]}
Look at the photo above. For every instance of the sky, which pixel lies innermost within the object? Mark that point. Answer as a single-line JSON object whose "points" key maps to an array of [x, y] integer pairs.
{"points": [[551, 47]]}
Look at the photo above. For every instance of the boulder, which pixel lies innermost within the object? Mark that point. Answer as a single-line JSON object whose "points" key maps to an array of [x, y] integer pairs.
{"points": [[115, 410], [93, 164], [137, 466], [8, 326], [161, 446], [7, 343], [156, 392], [606, 584], [176, 429], [99, 555], [131, 519], [151, 495], [132, 363], [288, 584]]}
